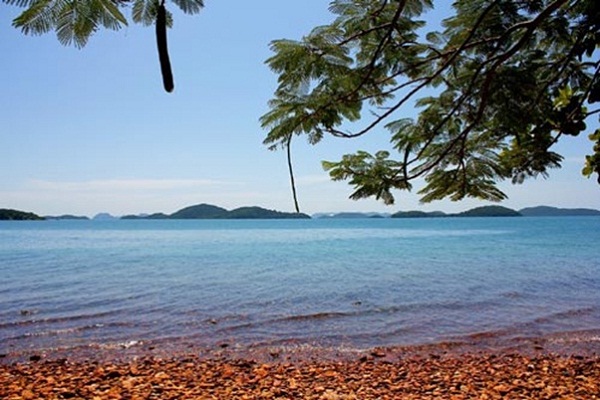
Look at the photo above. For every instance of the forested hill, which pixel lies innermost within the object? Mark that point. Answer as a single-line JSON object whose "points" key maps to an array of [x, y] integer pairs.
{"points": [[200, 211], [485, 211], [208, 211], [545, 211], [16, 215], [489, 211], [499, 211]]}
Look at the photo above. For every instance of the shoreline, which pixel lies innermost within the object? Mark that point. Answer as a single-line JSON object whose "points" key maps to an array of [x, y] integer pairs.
{"points": [[536, 368], [414, 373], [583, 343]]}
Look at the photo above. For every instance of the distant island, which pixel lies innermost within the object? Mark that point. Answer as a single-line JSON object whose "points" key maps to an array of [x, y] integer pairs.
{"points": [[104, 217], [208, 211], [200, 211], [484, 211], [345, 215], [67, 216], [419, 214], [545, 211], [499, 211], [7, 214]]}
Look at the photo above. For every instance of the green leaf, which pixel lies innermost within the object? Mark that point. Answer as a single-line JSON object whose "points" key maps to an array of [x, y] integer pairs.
{"points": [[20, 3], [113, 18], [189, 6], [73, 21], [144, 11], [37, 19]]}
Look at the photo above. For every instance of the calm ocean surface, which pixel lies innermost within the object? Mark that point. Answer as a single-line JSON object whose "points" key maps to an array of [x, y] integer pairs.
{"points": [[358, 283]]}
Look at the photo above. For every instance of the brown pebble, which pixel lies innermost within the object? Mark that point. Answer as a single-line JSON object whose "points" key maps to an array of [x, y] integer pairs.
{"points": [[458, 377], [378, 353], [113, 374]]}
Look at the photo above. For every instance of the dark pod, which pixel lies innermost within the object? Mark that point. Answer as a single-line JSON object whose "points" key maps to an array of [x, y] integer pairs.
{"points": [[163, 52]]}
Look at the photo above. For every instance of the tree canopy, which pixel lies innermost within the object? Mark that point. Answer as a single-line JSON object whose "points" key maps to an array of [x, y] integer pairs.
{"points": [[496, 88], [75, 21]]}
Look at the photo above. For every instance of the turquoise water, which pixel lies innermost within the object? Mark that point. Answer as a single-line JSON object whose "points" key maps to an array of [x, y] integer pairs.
{"points": [[358, 283]]}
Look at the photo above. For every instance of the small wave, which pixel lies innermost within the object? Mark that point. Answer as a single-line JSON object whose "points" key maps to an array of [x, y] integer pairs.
{"points": [[55, 332], [534, 327], [320, 316], [421, 307], [563, 315], [479, 336], [315, 316], [63, 331], [229, 324], [512, 295], [55, 320], [589, 336], [237, 327], [120, 345]]}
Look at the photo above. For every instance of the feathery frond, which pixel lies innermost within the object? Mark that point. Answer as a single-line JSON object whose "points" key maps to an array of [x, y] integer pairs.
{"points": [[501, 84], [189, 6]]}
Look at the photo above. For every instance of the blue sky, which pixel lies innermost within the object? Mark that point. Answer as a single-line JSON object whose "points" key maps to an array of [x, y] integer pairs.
{"points": [[92, 130]]}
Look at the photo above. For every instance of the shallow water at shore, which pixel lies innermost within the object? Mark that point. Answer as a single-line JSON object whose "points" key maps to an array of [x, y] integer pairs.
{"points": [[352, 284]]}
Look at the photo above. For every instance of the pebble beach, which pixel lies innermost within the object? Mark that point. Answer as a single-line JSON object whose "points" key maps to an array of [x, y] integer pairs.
{"points": [[426, 373]]}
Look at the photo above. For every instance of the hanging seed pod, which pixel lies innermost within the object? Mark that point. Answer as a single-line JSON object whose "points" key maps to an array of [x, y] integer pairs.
{"points": [[163, 52]]}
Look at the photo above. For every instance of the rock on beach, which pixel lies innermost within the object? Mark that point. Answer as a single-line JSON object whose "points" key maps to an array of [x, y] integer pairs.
{"points": [[466, 376]]}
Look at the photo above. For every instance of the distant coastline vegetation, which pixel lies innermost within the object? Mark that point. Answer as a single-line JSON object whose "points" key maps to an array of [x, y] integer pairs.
{"points": [[16, 215], [200, 211], [485, 211], [208, 211]]}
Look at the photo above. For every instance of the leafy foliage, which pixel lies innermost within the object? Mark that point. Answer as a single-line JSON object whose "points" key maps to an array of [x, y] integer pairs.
{"points": [[75, 21], [496, 89]]}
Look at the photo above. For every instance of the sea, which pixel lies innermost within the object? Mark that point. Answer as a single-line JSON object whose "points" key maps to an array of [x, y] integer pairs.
{"points": [[74, 285]]}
